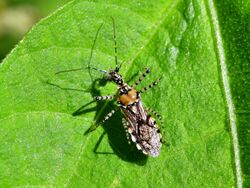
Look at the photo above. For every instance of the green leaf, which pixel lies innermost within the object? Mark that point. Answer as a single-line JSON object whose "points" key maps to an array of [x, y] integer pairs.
{"points": [[185, 42], [235, 30]]}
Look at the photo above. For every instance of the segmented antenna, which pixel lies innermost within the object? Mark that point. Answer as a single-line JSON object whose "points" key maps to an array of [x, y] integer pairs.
{"points": [[115, 46], [90, 57]]}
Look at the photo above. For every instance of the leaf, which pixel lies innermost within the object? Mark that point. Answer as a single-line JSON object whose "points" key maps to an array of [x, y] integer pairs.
{"points": [[235, 29], [43, 144]]}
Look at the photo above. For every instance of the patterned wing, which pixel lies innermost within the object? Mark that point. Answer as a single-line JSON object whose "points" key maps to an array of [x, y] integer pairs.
{"points": [[143, 129]]}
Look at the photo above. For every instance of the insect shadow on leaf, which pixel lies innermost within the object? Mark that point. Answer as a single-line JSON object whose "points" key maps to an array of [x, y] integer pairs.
{"points": [[114, 127]]}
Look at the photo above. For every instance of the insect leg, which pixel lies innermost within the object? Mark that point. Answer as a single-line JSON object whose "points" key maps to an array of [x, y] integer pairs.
{"points": [[156, 114], [125, 125], [92, 128], [161, 122], [150, 86], [102, 98], [109, 115], [147, 71]]}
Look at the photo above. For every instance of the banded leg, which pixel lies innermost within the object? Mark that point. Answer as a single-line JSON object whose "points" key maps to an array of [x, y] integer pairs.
{"points": [[130, 133], [161, 122], [94, 126], [102, 98], [125, 125], [155, 114], [109, 115], [144, 74], [150, 86]]}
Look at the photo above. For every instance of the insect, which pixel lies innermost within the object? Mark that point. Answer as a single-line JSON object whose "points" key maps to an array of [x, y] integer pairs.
{"points": [[140, 126]]}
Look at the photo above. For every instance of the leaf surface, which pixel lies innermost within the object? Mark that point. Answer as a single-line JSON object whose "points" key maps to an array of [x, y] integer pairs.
{"points": [[43, 144]]}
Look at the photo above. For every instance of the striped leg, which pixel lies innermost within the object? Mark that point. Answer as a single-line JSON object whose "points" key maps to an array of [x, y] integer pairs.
{"points": [[158, 116], [147, 71], [155, 114], [150, 86], [125, 124], [109, 115], [94, 126], [102, 98]]}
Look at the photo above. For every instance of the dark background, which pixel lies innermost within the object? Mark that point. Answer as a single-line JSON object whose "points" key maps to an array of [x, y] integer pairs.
{"points": [[18, 16]]}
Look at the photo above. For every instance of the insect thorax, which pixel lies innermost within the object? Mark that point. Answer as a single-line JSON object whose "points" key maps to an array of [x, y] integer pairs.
{"points": [[127, 95]]}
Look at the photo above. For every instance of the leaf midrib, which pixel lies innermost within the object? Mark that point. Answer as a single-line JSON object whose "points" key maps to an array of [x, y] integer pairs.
{"points": [[218, 42]]}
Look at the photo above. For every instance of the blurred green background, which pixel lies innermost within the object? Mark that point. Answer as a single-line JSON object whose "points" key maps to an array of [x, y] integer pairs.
{"points": [[18, 16]]}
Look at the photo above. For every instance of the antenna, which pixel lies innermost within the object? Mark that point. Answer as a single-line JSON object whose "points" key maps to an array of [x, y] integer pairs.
{"points": [[90, 57], [115, 46], [93, 46]]}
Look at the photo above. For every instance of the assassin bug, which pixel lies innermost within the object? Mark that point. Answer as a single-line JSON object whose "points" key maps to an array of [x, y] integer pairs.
{"points": [[138, 123]]}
